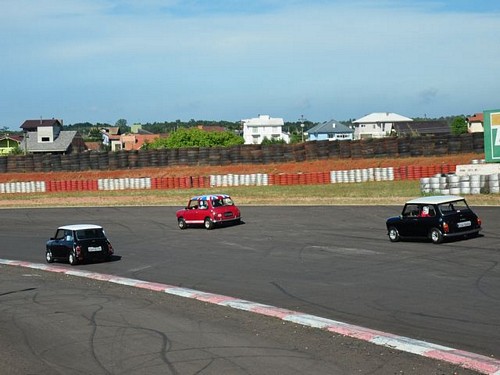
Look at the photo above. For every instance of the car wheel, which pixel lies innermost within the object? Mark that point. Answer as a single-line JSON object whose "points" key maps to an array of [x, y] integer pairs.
{"points": [[208, 223], [48, 256], [182, 223], [436, 235], [393, 234], [72, 258]]}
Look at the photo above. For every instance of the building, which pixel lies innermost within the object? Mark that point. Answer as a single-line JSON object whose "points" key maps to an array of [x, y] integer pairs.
{"points": [[136, 141], [255, 130], [330, 130], [475, 123], [377, 125], [48, 136], [9, 143], [111, 137]]}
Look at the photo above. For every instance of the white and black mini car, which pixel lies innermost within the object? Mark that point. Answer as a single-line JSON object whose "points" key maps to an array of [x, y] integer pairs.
{"points": [[78, 243], [435, 218]]}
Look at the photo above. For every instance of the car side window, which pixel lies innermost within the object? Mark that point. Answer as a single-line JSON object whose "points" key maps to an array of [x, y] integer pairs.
{"points": [[68, 235], [59, 234], [411, 210], [193, 204]]}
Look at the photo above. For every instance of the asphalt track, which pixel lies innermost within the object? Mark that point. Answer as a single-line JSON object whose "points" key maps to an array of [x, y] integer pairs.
{"points": [[331, 262]]}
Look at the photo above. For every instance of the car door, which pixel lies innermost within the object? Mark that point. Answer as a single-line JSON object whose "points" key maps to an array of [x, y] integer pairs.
{"points": [[57, 244], [409, 220], [192, 213], [67, 242], [425, 222]]}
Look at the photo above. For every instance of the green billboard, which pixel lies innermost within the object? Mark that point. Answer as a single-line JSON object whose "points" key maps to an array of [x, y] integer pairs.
{"points": [[492, 135]]}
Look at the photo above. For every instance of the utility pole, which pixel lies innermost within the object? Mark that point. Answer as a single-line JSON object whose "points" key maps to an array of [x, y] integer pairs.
{"points": [[302, 126]]}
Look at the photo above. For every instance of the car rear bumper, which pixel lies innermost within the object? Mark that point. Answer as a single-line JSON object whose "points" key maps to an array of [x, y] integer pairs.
{"points": [[463, 233]]}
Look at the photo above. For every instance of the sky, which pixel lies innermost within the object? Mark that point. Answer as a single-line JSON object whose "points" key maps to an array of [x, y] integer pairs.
{"points": [[99, 61]]}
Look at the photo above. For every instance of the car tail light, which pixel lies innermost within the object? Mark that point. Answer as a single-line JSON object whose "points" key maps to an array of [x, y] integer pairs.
{"points": [[78, 251], [479, 221], [446, 227], [110, 248]]}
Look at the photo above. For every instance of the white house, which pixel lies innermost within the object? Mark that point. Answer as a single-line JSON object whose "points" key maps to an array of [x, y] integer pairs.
{"points": [[377, 125], [475, 123], [331, 130], [255, 130]]}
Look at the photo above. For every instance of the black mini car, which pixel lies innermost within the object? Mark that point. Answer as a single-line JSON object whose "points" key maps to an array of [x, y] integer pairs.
{"points": [[79, 243], [435, 218]]}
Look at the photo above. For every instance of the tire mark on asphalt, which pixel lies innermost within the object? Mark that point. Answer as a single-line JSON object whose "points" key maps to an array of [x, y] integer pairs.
{"points": [[481, 277]]}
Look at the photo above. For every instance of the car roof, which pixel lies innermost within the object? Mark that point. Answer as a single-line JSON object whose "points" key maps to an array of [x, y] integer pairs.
{"points": [[80, 226], [436, 199], [209, 197]]}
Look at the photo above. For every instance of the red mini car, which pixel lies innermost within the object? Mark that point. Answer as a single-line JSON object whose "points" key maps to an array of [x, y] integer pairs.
{"points": [[208, 210]]}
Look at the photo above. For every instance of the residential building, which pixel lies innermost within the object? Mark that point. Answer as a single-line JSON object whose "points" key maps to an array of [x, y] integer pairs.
{"points": [[48, 136], [255, 130], [111, 137], [8, 143], [330, 130], [136, 141], [377, 125], [475, 123]]}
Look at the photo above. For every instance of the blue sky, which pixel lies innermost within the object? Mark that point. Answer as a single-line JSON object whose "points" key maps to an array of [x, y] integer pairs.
{"points": [[163, 60]]}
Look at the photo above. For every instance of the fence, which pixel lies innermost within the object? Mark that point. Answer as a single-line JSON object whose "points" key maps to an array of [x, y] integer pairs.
{"points": [[246, 154]]}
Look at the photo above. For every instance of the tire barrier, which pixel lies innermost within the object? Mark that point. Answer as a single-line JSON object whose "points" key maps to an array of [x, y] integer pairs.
{"points": [[362, 175], [22, 187], [123, 183], [71, 185], [460, 185], [246, 154], [442, 180], [255, 179]]}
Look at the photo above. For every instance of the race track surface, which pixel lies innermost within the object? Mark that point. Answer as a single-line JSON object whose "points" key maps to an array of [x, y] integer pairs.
{"points": [[333, 262]]}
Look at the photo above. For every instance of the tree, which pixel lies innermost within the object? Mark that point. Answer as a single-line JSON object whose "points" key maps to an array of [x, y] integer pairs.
{"points": [[273, 141], [122, 124], [194, 137], [458, 125]]}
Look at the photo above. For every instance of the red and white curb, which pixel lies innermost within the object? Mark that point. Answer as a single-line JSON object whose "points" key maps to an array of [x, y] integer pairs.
{"points": [[477, 362]]}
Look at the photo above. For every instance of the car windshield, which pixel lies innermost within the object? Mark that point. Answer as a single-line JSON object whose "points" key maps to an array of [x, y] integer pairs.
{"points": [[87, 234], [452, 207]]}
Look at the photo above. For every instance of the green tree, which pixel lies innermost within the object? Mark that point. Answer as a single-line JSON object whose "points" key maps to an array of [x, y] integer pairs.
{"points": [[194, 137], [267, 141], [296, 137], [122, 124], [459, 125]]}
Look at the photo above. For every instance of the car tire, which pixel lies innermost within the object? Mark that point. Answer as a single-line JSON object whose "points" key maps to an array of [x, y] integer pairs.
{"points": [[436, 236], [182, 223], [208, 223], [48, 256], [72, 258], [393, 234]]}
